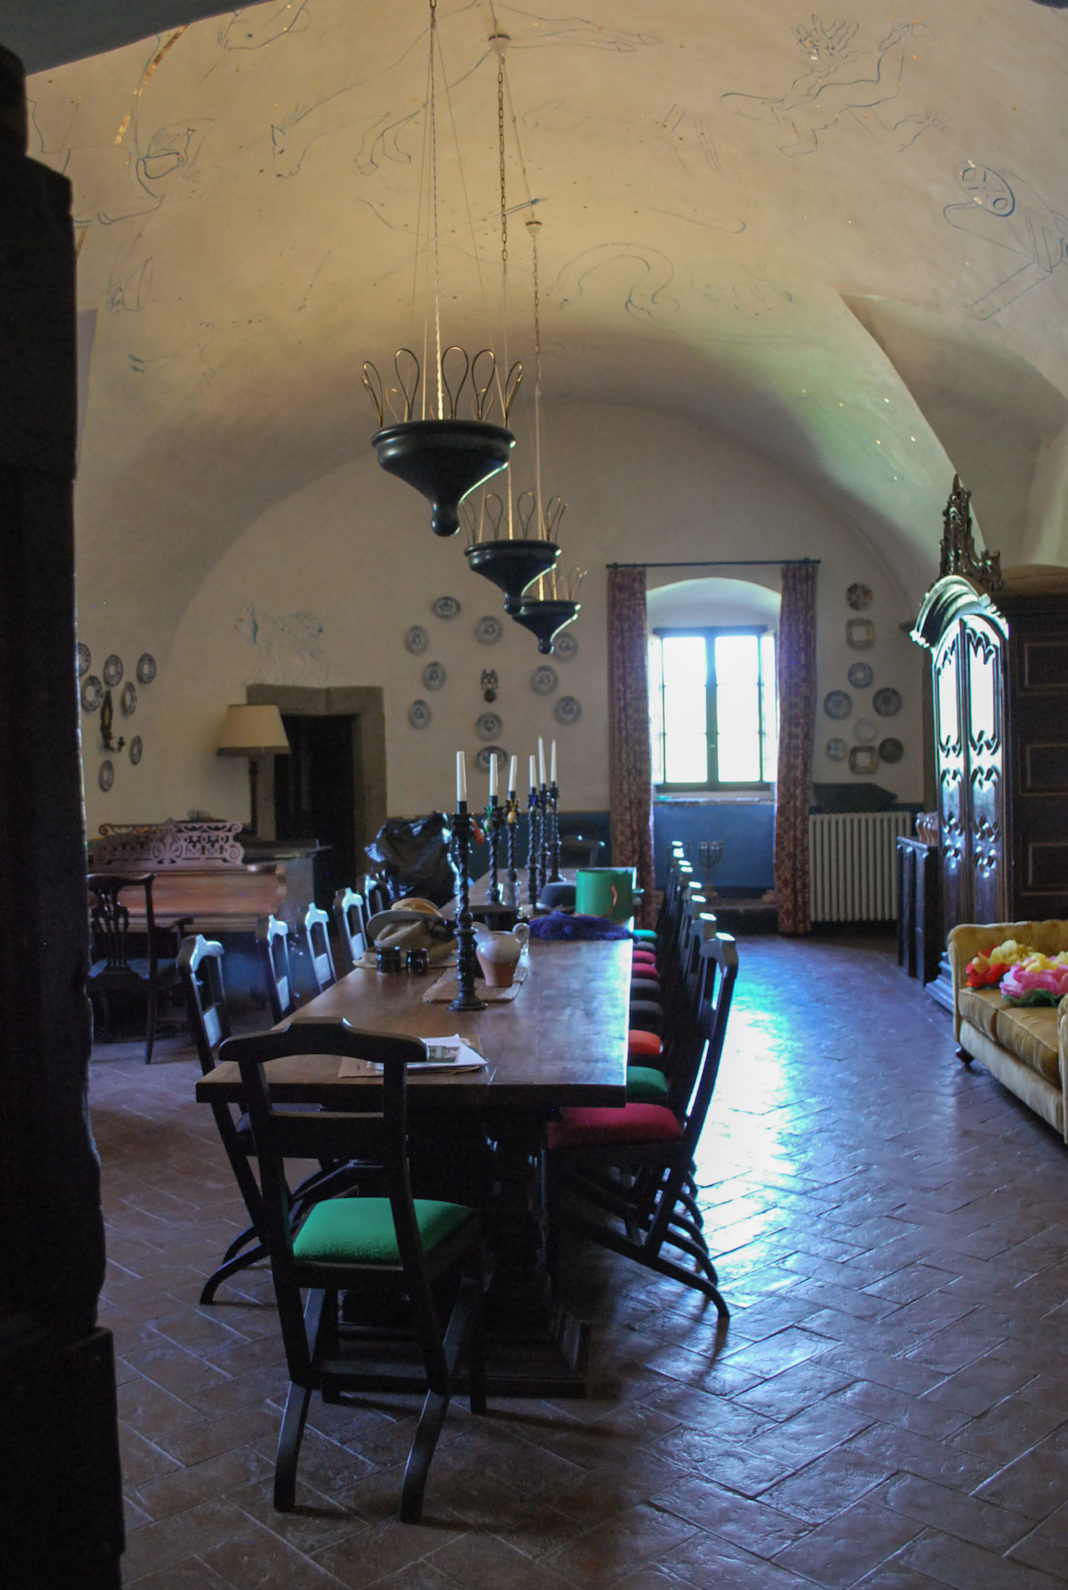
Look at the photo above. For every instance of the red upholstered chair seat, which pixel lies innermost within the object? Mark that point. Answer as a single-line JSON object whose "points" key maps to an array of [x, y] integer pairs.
{"points": [[642, 1045], [598, 1126]]}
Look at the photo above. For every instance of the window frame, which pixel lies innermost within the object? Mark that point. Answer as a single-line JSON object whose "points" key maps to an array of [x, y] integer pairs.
{"points": [[709, 633]]}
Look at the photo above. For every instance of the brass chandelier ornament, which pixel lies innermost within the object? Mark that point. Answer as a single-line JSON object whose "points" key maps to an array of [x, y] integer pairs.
{"points": [[459, 445]]}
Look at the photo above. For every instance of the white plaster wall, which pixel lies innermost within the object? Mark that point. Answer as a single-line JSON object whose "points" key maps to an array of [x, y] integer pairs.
{"points": [[338, 572]]}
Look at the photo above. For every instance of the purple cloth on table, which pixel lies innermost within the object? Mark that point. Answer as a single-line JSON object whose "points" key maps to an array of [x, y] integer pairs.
{"points": [[562, 925]]}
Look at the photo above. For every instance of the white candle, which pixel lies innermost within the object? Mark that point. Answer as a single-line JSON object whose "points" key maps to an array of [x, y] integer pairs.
{"points": [[493, 779], [532, 772], [513, 764], [461, 778], [552, 763], [541, 760]]}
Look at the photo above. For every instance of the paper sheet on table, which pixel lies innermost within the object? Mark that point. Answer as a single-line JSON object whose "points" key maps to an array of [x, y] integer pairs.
{"points": [[451, 1053]]}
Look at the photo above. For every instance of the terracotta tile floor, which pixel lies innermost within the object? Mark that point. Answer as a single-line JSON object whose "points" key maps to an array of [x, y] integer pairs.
{"points": [[889, 1406]]}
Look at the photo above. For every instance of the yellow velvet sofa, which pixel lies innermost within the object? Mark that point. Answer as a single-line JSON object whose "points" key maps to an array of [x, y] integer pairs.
{"points": [[1025, 1047]]}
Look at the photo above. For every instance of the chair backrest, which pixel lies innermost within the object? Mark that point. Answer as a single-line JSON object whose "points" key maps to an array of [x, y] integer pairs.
{"points": [[377, 1131], [113, 948], [317, 944], [350, 921], [719, 955], [200, 968], [272, 946]]}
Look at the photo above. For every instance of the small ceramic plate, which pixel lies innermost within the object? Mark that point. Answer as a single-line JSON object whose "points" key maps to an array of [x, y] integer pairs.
{"points": [[128, 699], [92, 693], [485, 754], [863, 759], [113, 670], [417, 639], [146, 668], [106, 777], [85, 659], [864, 730], [861, 676], [488, 726], [886, 702], [446, 607], [858, 597], [136, 749], [891, 750], [838, 703], [837, 749], [544, 680], [567, 710], [860, 634], [434, 676], [419, 714], [565, 646], [488, 630]]}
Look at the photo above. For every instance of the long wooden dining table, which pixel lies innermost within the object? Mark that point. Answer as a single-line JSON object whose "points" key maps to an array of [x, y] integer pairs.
{"points": [[561, 1040]]}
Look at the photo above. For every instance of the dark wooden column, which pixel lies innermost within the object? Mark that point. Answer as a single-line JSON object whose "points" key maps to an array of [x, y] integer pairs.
{"points": [[60, 1512]]}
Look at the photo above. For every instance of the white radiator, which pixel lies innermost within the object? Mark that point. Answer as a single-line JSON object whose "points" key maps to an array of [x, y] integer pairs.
{"points": [[853, 863]]}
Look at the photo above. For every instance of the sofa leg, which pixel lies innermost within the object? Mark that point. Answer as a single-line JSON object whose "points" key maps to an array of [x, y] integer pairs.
{"points": [[964, 1057]]}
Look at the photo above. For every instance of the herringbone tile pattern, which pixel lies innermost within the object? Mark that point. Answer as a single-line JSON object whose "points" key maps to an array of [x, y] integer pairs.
{"points": [[889, 1406]]}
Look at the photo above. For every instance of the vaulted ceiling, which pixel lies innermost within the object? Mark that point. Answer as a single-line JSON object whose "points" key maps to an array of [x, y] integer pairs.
{"points": [[839, 238]]}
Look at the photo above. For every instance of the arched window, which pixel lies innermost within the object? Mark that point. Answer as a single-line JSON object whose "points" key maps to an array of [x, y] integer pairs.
{"points": [[713, 704]]}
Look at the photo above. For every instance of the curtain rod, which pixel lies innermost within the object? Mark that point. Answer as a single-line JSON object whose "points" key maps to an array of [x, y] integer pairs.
{"points": [[718, 563]]}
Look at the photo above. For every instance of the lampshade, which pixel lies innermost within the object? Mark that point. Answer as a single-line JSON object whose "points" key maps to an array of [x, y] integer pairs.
{"points": [[252, 731]]}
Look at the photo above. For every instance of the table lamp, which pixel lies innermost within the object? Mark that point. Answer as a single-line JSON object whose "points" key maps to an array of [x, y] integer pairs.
{"points": [[252, 731]]}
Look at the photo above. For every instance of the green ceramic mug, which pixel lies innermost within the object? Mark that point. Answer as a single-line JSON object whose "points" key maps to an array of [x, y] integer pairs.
{"points": [[605, 891]]}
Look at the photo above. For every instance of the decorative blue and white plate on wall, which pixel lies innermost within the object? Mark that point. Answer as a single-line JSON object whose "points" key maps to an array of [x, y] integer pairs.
{"points": [[112, 670], [446, 607], [565, 646], [891, 750], [837, 749], [92, 693], [146, 668], [567, 710], [488, 726], [434, 675], [137, 749], [417, 639], [544, 680], [419, 714], [886, 702], [861, 675], [85, 659], [838, 703], [488, 630], [486, 754]]}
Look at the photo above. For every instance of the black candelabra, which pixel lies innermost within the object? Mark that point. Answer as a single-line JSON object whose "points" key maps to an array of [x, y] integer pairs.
{"points": [[554, 834], [543, 838], [512, 835], [494, 824], [466, 960], [533, 846]]}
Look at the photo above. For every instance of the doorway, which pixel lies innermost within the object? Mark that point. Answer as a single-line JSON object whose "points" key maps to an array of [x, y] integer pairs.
{"points": [[332, 785]]}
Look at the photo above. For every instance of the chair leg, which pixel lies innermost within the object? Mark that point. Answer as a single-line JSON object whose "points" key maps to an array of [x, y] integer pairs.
{"points": [[150, 1026], [231, 1266], [289, 1439]]}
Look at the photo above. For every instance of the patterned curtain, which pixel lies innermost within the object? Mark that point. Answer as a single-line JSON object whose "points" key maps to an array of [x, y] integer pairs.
{"points": [[797, 723], [630, 771]]}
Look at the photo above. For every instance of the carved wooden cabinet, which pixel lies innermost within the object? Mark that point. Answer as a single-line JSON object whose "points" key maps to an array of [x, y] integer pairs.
{"points": [[1000, 689]]}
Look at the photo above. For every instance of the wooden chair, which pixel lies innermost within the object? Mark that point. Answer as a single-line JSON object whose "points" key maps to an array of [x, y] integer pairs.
{"points": [[200, 968], [272, 948], [141, 958], [350, 922], [317, 947], [635, 1165], [398, 1250]]}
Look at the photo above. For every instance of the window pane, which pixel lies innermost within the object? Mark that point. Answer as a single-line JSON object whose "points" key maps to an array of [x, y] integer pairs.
{"points": [[771, 707], [656, 708], [685, 665], [738, 708]]}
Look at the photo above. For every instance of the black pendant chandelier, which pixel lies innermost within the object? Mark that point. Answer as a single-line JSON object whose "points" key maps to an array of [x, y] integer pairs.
{"points": [[512, 562], [448, 452]]}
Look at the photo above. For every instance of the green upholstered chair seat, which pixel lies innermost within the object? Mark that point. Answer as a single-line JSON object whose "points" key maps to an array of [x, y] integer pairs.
{"points": [[645, 935], [361, 1230], [646, 1085]]}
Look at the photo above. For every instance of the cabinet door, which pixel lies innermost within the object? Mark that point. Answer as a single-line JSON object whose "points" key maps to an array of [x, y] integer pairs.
{"points": [[952, 794], [984, 755]]}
